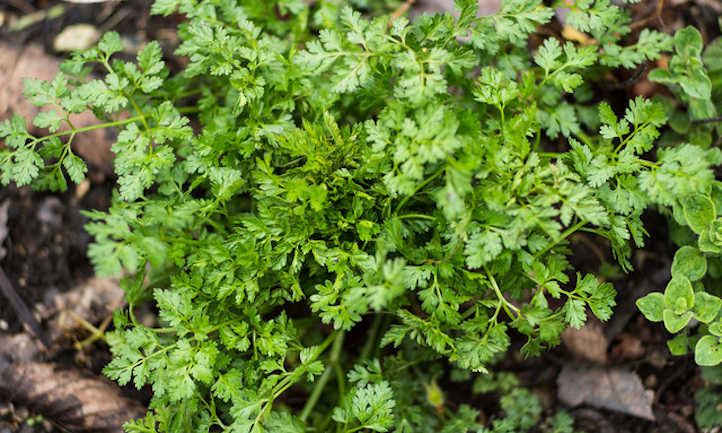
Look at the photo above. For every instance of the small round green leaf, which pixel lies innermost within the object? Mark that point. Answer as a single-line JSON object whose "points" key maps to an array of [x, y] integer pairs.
{"points": [[676, 322], [716, 328], [688, 42], [713, 55], [705, 243], [652, 306], [678, 345], [697, 84], [715, 232], [661, 76], [689, 262], [716, 192], [708, 351], [679, 288], [699, 212], [706, 306]]}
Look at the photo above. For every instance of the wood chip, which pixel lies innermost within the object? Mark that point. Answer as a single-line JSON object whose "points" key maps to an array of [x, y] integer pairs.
{"points": [[587, 342], [93, 301], [72, 399], [629, 347], [607, 388], [30, 61]]}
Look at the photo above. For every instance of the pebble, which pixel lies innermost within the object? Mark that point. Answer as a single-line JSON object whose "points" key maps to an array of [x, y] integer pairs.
{"points": [[76, 37]]}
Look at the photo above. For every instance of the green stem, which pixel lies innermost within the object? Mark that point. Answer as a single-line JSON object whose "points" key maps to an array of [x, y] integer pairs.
{"points": [[188, 93], [140, 113], [91, 128], [189, 109], [418, 188], [417, 216], [584, 138], [508, 306], [316, 394], [549, 154], [371, 337], [340, 379], [471, 310], [568, 232], [318, 389]]}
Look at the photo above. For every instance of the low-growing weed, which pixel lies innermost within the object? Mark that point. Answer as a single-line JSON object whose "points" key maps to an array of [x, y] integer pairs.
{"points": [[364, 202]]}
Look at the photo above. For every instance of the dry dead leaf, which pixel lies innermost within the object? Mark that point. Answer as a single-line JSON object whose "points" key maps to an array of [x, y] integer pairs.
{"points": [[587, 342], [93, 301], [607, 388], [69, 397], [628, 348], [30, 61], [19, 348], [571, 34], [590, 420]]}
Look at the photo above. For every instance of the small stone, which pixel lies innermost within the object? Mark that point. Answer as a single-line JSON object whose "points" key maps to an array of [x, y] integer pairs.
{"points": [[76, 37], [5, 409], [650, 381], [657, 359]]}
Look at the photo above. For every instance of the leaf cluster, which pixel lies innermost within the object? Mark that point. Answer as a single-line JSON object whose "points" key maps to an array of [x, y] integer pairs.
{"points": [[419, 182]]}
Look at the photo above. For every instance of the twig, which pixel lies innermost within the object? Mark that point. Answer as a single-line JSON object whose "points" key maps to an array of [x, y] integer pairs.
{"points": [[95, 333], [22, 5], [676, 374], [400, 11], [626, 304], [630, 81], [708, 120], [21, 309], [655, 15]]}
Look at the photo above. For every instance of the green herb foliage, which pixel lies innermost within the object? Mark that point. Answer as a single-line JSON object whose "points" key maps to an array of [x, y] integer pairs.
{"points": [[357, 172], [708, 411]]}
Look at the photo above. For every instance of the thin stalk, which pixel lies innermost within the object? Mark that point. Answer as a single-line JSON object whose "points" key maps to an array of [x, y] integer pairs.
{"points": [[549, 154], [417, 216], [188, 109], [568, 232], [371, 338], [91, 128], [316, 394], [508, 306], [340, 379], [708, 120], [318, 389], [418, 188]]}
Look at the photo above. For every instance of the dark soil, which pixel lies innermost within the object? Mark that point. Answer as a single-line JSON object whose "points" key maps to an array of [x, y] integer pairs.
{"points": [[46, 244]]}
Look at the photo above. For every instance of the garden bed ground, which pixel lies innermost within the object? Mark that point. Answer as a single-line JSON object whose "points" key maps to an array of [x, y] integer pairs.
{"points": [[44, 257]]}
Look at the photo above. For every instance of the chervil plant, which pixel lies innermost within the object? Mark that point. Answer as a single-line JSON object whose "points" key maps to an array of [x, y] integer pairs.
{"points": [[360, 203]]}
